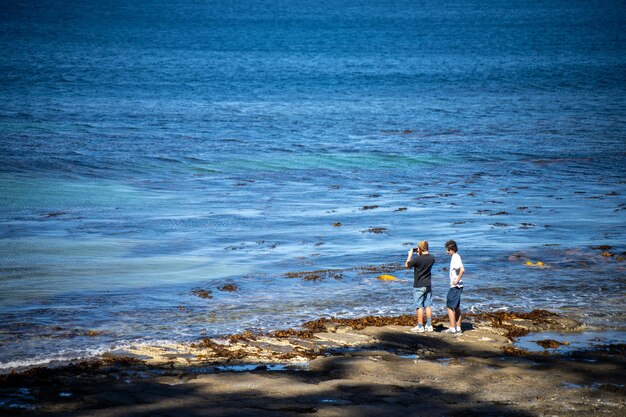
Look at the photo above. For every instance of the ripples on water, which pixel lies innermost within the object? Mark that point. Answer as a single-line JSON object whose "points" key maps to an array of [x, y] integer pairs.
{"points": [[148, 151]]}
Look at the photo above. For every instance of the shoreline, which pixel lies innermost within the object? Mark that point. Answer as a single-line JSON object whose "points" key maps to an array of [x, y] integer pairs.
{"points": [[365, 366]]}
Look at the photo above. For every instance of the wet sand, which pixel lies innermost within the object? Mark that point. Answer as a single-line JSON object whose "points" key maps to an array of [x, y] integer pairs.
{"points": [[371, 366]]}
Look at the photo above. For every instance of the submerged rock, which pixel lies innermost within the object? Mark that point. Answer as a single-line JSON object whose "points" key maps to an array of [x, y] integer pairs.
{"points": [[386, 277]]}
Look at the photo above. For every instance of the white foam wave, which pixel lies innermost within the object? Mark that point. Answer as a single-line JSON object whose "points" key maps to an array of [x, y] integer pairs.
{"points": [[57, 358], [72, 355]]}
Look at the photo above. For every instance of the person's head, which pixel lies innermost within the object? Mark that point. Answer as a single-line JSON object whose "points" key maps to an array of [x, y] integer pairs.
{"points": [[451, 247], [423, 246]]}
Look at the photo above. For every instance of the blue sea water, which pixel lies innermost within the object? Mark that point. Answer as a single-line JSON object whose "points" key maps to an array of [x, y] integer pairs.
{"points": [[151, 148]]}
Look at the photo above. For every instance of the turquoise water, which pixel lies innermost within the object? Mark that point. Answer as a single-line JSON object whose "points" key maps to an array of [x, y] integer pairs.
{"points": [[152, 148]]}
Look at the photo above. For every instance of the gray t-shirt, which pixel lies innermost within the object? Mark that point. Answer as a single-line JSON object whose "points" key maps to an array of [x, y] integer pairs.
{"points": [[421, 264]]}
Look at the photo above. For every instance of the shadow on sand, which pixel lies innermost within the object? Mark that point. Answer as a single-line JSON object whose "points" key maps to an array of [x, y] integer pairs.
{"points": [[373, 380]]}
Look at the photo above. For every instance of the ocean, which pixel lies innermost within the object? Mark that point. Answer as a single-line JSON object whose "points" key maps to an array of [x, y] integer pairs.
{"points": [[152, 153]]}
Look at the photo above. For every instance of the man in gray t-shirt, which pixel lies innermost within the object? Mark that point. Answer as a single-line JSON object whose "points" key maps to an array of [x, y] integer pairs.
{"points": [[422, 263]]}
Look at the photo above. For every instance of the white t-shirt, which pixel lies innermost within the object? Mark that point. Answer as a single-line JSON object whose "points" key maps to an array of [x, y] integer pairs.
{"points": [[455, 269]]}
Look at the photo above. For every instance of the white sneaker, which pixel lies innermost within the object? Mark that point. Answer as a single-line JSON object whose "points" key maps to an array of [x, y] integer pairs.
{"points": [[459, 331], [429, 328], [417, 329], [451, 330]]}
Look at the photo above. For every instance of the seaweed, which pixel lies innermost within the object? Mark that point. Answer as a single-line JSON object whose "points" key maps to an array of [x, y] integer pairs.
{"points": [[284, 334], [219, 350], [378, 269], [513, 351], [499, 318], [337, 274], [550, 343], [55, 214], [199, 292], [316, 275], [362, 322], [499, 224], [247, 335], [376, 230], [43, 375]]}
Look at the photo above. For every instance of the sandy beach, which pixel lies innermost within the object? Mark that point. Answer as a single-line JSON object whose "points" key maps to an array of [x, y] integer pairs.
{"points": [[370, 366]]}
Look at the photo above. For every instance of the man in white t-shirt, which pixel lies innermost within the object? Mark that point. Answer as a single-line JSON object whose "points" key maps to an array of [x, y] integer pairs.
{"points": [[453, 301]]}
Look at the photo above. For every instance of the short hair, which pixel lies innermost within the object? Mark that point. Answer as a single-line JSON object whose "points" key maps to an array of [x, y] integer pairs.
{"points": [[451, 245], [423, 245]]}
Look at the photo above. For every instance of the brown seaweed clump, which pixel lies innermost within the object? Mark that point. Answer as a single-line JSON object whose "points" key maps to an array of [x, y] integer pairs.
{"points": [[513, 351], [219, 350], [328, 324], [55, 214], [499, 320], [379, 269], [238, 353], [363, 322], [199, 292], [499, 224], [300, 353], [310, 328], [247, 335], [550, 343], [502, 320], [375, 230], [228, 288], [284, 334], [316, 275], [337, 274]]}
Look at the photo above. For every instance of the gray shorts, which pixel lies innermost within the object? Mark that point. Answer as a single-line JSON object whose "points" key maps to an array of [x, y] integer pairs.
{"points": [[422, 297]]}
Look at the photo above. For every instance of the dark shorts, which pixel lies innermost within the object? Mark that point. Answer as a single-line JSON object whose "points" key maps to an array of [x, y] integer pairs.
{"points": [[454, 297]]}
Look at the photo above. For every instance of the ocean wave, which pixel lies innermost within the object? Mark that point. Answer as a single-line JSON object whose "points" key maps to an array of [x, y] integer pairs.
{"points": [[60, 357], [337, 161]]}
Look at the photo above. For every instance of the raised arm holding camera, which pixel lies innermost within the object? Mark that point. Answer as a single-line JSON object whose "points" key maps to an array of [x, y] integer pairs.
{"points": [[422, 263]]}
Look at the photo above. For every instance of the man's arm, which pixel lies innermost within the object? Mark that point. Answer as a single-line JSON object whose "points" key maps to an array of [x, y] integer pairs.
{"points": [[408, 258], [458, 278]]}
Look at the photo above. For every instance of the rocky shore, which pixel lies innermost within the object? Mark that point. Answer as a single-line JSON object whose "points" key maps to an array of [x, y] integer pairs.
{"points": [[372, 366]]}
